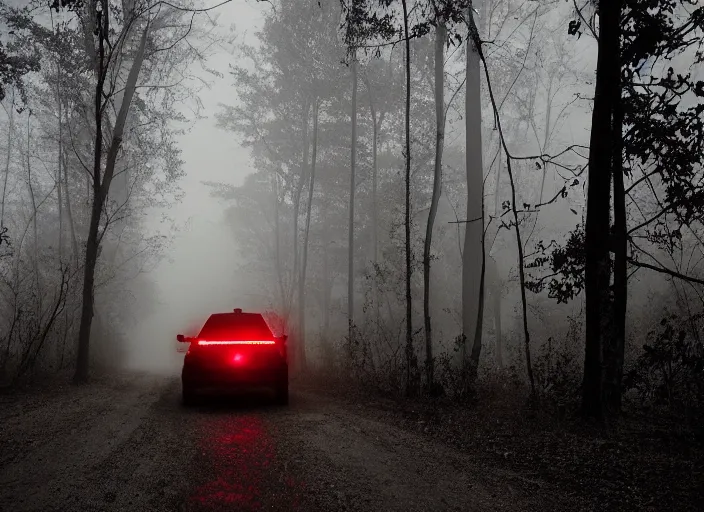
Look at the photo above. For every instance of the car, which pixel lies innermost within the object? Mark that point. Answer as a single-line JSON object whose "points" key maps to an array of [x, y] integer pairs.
{"points": [[234, 351]]}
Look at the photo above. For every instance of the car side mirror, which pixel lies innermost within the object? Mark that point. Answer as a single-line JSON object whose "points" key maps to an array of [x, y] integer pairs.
{"points": [[180, 338]]}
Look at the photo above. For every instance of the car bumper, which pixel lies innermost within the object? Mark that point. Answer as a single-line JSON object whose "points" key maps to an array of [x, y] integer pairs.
{"points": [[197, 379]]}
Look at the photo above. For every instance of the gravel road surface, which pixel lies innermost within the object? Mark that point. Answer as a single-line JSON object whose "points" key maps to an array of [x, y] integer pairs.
{"points": [[127, 444]]}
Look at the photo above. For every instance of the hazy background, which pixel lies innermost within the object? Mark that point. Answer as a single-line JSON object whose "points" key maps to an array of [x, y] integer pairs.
{"points": [[198, 275], [152, 288]]}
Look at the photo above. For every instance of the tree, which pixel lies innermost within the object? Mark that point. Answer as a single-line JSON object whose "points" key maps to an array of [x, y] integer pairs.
{"points": [[350, 224], [42, 278], [599, 319], [296, 72], [369, 24], [473, 261], [380, 92], [410, 353], [440, 39], [629, 95], [101, 180], [137, 27], [17, 58], [629, 35], [302, 283]]}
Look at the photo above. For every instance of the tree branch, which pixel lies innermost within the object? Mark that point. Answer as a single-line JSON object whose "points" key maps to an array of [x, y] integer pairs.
{"points": [[667, 271]]}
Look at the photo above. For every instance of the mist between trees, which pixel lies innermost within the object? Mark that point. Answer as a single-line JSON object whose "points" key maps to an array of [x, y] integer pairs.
{"points": [[417, 218], [94, 94]]}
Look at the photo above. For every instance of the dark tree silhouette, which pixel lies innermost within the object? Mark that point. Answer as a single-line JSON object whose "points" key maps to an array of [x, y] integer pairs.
{"points": [[646, 127]]}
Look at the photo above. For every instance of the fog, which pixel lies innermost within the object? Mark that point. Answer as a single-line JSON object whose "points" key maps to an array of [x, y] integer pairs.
{"points": [[198, 275], [478, 223], [241, 142]]}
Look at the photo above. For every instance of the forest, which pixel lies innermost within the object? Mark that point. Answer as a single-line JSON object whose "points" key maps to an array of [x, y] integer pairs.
{"points": [[492, 206], [430, 209], [449, 201]]}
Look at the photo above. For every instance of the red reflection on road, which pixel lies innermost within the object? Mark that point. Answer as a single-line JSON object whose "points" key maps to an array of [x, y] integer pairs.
{"points": [[241, 453], [240, 450]]}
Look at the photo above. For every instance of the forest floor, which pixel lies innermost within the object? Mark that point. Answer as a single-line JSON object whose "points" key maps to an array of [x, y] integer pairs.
{"points": [[643, 463], [124, 443]]}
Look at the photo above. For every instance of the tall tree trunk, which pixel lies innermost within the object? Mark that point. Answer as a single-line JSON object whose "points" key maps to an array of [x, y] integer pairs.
{"points": [[496, 297], [477, 345], [59, 173], [60, 160], [474, 36], [350, 232], [615, 347], [101, 186], [35, 214], [599, 313], [376, 125], [473, 252], [91, 258], [327, 286], [375, 210], [494, 289], [410, 353], [440, 37], [302, 283], [92, 243], [277, 245], [10, 130], [69, 212], [295, 272], [375, 142], [297, 203], [544, 149], [60, 205]]}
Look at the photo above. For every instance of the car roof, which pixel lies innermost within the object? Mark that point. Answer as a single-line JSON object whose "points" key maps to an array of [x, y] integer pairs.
{"points": [[236, 326]]}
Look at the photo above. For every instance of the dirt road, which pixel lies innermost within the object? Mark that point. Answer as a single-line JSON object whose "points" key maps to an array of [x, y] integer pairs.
{"points": [[128, 444]]}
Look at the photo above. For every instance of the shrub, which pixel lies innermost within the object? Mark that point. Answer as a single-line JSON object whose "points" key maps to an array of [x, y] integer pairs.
{"points": [[670, 371]]}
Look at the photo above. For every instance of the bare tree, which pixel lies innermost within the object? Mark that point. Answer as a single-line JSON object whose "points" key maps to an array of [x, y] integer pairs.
{"points": [[440, 39], [304, 263], [124, 45], [350, 234], [473, 257], [410, 352], [100, 181], [10, 130]]}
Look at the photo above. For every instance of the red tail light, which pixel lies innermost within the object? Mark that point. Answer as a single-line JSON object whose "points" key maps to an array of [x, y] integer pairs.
{"points": [[262, 342]]}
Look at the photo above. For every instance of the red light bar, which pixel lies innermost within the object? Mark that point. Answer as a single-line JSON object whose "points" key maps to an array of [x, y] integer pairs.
{"points": [[264, 342]]}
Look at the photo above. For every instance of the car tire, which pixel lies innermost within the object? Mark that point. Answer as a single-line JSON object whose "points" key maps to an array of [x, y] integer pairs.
{"points": [[282, 390], [188, 398]]}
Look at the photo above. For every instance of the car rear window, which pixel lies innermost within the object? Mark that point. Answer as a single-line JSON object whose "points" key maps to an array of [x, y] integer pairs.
{"points": [[236, 327]]}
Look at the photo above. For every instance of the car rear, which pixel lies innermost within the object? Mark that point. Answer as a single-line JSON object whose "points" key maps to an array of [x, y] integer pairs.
{"points": [[235, 351]]}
